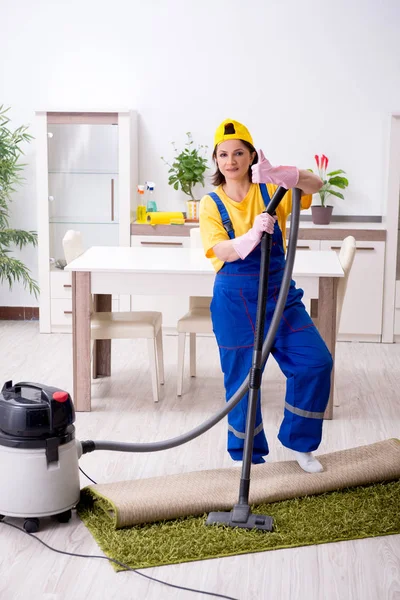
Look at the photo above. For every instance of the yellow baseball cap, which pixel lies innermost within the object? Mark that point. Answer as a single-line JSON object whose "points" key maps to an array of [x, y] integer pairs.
{"points": [[236, 130]]}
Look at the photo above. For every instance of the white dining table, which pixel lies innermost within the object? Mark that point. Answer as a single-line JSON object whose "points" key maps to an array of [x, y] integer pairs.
{"points": [[103, 270]]}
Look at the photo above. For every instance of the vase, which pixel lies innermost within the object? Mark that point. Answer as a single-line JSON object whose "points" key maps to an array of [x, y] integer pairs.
{"points": [[321, 215], [192, 210]]}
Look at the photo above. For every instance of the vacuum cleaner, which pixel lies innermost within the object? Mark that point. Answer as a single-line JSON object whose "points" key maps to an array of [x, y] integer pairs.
{"points": [[39, 453]]}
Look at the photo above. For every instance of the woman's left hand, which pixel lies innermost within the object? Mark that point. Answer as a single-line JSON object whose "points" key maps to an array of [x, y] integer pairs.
{"points": [[264, 172]]}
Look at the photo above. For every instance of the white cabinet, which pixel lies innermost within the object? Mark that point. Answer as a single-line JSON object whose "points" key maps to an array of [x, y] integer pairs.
{"points": [[86, 178], [158, 241], [397, 312], [61, 301], [307, 245], [363, 304], [173, 307]]}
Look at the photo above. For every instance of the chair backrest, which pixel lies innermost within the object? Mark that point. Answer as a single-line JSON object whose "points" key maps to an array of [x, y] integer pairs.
{"points": [[72, 245], [346, 258], [195, 239]]}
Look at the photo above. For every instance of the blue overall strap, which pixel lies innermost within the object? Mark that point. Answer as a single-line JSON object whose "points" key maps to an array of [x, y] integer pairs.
{"points": [[265, 194], [226, 222]]}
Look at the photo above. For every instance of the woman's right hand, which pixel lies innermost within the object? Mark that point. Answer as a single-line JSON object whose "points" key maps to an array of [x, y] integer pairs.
{"points": [[264, 222], [244, 244]]}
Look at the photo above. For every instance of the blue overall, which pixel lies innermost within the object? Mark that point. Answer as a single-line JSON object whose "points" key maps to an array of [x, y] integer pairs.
{"points": [[298, 348]]}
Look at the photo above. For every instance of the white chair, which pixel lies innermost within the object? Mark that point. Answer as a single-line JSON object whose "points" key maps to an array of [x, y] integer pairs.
{"points": [[128, 325], [346, 258], [197, 320]]}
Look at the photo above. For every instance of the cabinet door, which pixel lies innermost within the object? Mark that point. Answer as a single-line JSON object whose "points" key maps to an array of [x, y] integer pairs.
{"points": [[160, 241], [83, 183], [306, 245], [362, 306]]}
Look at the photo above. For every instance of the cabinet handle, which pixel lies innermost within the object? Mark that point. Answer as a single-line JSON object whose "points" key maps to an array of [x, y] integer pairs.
{"points": [[303, 247], [112, 199], [67, 285], [67, 312], [161, 243], [358, 248]]}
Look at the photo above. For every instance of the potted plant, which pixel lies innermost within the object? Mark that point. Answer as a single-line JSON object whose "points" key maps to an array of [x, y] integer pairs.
{"points": [[187, 169], [12, 269], [321, 214]]}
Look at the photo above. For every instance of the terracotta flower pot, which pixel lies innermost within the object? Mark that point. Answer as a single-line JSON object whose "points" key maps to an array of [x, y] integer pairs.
{"points": [[321, 215]]}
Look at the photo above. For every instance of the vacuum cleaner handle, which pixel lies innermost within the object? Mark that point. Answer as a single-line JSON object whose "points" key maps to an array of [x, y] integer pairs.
{"points": [[61, 409], [275, 200]]}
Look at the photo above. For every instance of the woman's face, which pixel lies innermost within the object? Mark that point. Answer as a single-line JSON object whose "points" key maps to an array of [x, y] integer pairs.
{"points": [[234, 159]]}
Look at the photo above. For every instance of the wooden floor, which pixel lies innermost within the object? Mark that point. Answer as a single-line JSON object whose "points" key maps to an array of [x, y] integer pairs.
{"points": [[368, 391]]}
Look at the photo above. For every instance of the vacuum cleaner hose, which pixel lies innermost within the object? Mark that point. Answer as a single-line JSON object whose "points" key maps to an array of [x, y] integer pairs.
{"points": [[90, 446]]}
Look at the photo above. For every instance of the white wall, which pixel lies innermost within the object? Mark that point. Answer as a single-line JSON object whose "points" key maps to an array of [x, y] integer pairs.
{"points": [[306, 77]]}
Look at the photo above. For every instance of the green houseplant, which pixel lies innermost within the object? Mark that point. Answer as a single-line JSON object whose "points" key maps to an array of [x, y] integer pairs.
{"points": [[188, 167], [333, 182], [12, 269]]}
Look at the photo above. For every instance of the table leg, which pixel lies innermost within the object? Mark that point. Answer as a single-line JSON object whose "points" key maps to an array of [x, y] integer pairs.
{"points": [[102, 348], [327, 326], [81, 340]]}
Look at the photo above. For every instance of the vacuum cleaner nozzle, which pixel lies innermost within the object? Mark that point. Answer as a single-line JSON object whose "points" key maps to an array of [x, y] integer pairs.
{"points": [[241, 516]]}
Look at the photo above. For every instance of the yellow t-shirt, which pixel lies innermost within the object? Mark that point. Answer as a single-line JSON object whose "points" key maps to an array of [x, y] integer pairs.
{"points": [[241, 214]]}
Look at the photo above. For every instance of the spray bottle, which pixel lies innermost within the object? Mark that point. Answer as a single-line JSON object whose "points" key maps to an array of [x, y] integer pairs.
{"points": [[151, 203]]}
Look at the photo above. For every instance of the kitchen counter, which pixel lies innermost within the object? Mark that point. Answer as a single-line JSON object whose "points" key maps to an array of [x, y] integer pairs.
{"points": [[362, 231]]}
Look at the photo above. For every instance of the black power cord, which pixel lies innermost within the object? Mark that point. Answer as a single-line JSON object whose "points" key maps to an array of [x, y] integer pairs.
{"points": [[120, 564], [86, 475]]}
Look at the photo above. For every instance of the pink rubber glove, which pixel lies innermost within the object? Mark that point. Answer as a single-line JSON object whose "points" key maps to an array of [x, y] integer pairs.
{"points": [[244, 244], [264, 172]]}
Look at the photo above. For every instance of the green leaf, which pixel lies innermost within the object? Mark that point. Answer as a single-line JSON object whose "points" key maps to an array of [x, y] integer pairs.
{"points": [[340, 182], [334, 193], [335, 172], [12, 269], [188, 166]]}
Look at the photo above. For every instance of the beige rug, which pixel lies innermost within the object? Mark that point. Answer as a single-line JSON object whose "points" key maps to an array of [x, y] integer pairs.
{"points": [[159, 498]]}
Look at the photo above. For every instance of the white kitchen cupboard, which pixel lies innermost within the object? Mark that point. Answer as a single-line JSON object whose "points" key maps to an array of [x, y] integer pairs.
{"points": [[86, 177], [363, 304]]}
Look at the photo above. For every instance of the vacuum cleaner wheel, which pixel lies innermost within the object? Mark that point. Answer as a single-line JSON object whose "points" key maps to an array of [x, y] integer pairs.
{"points": [[31, 525], [64, 517]]}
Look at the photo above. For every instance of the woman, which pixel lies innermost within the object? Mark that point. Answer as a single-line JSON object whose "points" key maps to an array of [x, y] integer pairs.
{"points": [[231, 224]]}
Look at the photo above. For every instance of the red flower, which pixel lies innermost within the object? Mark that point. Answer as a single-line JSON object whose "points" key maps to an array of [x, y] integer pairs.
{"points": [[317, 160]]}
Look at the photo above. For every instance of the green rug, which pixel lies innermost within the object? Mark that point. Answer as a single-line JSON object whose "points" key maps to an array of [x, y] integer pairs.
{"points": [[354, 513]]}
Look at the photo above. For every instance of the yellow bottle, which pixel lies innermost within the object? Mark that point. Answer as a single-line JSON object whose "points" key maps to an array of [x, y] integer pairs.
{"points": [[141, 208]]}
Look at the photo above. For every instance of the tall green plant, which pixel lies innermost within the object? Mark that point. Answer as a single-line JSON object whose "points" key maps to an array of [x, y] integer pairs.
{"points": [[12, 269], [188, 167]]}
